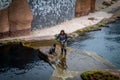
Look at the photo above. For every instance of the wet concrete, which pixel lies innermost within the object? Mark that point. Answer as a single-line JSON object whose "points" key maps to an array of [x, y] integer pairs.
{"points": [[83, 61]]}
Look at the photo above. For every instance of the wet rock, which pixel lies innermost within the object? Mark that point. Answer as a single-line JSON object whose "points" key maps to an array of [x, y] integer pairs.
{"points": [[43, 56], [98, 74], [91, 18], [114, 72], [107, 3], [118, 17], [107, 26], [72, 35]]}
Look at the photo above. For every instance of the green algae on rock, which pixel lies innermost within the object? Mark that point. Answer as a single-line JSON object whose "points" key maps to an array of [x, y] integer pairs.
{"points": [[98, 75], [4, 42], [83, 31]]}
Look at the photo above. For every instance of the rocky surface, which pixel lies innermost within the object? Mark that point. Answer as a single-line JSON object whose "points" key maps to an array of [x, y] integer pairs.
{"points": [[114, 72], [99, 74], [81, 61]]}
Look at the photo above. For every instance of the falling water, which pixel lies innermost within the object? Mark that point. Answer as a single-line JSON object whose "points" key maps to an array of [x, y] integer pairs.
{"points": [[51, 12]]}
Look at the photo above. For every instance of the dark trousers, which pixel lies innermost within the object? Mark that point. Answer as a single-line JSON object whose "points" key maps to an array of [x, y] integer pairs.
{"points": [[63, 48]]}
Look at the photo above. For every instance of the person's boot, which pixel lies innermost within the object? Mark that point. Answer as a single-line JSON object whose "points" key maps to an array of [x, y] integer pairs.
{"points": [[65, 51], [61, 51]]}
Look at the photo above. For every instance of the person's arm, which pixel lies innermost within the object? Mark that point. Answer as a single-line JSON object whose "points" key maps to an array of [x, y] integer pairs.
{"points": [[66, 37], [65, 40], [57, 37]]}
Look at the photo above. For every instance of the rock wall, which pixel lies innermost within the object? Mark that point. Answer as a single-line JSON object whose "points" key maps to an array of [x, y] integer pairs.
{"points": [[16, 19], [93, 7], [4, 23], [84, 7]]}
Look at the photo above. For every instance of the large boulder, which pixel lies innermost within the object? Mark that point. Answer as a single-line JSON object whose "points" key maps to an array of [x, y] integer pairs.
{"points": [[4, 23], [107, 3], [83, 7], [20, 18]]}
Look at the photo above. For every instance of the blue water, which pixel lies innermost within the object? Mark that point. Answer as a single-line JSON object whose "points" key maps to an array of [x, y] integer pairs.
{"points": [[105, 43], [22, 63]]}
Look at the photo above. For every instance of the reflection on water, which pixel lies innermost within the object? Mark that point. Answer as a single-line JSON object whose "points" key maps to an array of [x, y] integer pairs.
{"points": [[105, 42], [62, 62], [22, 63], [60, 67]]}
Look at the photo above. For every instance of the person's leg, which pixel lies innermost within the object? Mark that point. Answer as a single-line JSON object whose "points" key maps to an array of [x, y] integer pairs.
{"points": [[62, 48], [65, 50], [62, 51]]}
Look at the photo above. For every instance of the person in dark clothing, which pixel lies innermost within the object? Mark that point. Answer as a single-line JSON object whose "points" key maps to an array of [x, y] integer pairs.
{"points": [[62, 37], [52, 49]]}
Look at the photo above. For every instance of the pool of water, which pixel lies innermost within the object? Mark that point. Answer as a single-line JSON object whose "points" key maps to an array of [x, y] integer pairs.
{"points": [[22, 63], [105, 43]]}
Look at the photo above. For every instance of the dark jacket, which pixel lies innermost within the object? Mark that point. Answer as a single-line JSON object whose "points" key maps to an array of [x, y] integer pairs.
{"points": [[62, 38]]}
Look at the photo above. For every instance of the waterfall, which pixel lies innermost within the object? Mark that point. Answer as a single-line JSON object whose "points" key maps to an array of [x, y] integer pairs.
{"points": [[51, 12]]}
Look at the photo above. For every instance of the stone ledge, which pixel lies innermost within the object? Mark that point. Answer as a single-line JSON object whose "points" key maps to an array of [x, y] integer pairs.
{"points": [[4, 35], [20, 32]]}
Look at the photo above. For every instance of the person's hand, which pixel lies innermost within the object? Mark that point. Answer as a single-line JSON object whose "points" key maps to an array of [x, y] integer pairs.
{"points": [[55, 41], [63, 41]]}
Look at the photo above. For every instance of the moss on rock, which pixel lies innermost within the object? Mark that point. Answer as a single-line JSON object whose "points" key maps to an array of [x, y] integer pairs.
{"points": [[4, 42], [98, 75], [83, 31], [80, 32]]}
